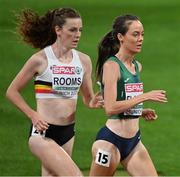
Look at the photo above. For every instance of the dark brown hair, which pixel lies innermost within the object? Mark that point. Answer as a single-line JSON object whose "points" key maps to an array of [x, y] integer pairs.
{"points": [[39, 31]]}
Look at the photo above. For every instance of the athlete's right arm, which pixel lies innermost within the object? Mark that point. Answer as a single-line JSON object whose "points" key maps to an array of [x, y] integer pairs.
{"points": [[29, 70], [111, 74]]}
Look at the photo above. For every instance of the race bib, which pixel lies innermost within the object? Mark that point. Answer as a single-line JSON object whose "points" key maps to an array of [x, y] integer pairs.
{"points": [[132, 90], [103, 158], [35, 132], [66, 80]]}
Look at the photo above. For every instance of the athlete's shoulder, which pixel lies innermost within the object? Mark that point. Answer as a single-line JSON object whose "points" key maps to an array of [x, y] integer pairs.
{"points": [[38, 61], [111, 61], [83, 56], [111, 64], [112, 58], [38, 57]]}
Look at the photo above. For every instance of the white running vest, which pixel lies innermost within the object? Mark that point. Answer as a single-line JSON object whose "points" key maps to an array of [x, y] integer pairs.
{"points": [[59, 80]]}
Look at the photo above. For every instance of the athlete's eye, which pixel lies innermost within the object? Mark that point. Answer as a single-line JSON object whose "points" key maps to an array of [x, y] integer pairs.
{"points": [[135, 34], [73, 29]]}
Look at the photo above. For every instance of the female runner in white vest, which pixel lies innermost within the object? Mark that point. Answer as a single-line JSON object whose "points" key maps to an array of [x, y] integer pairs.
{"points": [[59, 72]]}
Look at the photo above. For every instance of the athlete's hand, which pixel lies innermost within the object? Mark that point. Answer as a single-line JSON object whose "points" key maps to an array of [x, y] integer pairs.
{"points": [[39, 123], [156, 95], [149, 114], [97, 101]]}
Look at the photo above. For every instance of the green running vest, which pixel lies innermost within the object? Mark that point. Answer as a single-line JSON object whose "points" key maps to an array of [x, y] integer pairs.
{"points": [[128, 87]]}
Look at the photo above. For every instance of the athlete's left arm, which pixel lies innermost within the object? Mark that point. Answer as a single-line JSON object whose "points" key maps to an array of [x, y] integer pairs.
{"points": [[89, 98]]}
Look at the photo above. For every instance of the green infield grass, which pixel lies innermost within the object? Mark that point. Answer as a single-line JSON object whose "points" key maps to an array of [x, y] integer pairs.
{"points": [[160, 58]]}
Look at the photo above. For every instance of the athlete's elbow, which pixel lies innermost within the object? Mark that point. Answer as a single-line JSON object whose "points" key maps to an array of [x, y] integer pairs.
{"points": [[109, 111], [8, 93]]}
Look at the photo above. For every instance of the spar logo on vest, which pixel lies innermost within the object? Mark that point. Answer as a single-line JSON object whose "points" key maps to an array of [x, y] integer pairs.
{"points": [[66, 70], [133, 90], [66, 80]]}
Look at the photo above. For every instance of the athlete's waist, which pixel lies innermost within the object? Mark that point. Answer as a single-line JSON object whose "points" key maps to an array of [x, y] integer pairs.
{"points": [[132, 113], [62, 125], [124, 128], [120, 116], [60, 120]]}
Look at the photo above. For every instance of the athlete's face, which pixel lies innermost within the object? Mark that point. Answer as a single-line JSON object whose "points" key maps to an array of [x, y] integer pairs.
{"points": [[69, 34], [133, 39]]}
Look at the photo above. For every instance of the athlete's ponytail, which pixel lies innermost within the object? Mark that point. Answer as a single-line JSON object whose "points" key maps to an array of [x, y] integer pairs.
{"points": [[107, 47]]}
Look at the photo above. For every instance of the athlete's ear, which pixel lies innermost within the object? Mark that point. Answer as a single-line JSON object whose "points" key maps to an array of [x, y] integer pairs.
{"points": [[58, 30], [120, 37]]}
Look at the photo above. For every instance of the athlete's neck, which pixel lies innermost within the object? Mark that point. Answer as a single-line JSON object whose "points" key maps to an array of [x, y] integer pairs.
{"points": [[125, 57], [62, 53]]}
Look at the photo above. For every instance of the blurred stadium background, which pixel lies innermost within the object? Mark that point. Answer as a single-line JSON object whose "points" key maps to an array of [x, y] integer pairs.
{"points": [[161, 70]]}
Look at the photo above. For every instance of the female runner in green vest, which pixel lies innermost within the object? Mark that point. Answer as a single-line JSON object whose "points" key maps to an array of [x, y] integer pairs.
{"points": [[119, 73]]}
